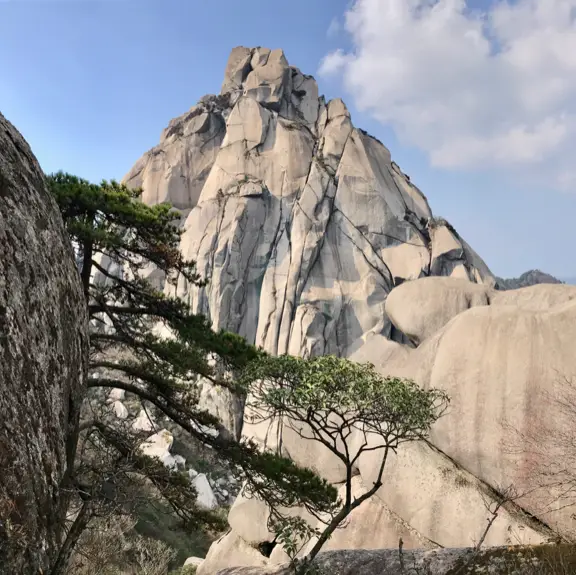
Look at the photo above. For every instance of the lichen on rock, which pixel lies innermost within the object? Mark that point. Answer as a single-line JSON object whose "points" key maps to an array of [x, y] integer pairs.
{"points": [[43, 360]]}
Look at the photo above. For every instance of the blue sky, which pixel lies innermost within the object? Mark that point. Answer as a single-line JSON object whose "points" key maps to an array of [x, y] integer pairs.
{"points": [[91, 84]]}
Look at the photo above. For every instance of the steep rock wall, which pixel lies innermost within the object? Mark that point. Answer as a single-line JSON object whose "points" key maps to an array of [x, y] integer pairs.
{"points": [[301, 222], [507, 361], [303, 225]]}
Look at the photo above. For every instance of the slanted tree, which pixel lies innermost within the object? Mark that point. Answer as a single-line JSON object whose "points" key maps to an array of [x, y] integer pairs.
{"points": [[348, 408], [149, 344]]}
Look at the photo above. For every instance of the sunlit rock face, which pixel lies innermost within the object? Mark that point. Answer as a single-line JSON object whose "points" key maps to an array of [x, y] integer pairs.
{"points": [[301, 222], [507, 361]]}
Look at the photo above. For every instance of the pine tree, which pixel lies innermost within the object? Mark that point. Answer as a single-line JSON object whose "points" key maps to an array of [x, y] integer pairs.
{"points": [[116, 238]]}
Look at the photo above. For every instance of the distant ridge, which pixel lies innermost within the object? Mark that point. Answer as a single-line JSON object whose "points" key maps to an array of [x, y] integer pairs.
{"points": [[528, 278]]}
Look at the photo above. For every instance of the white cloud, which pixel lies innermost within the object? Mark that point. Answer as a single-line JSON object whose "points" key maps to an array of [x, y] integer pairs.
{"points": [[472, 89]]}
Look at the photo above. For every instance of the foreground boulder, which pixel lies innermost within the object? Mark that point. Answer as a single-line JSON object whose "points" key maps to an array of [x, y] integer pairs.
{"points": [[43, 358]]}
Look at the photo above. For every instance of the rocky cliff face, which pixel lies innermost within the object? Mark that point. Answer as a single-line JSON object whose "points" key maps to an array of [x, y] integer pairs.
{"points": [[301, 222], [507, 361], [43, 357]]}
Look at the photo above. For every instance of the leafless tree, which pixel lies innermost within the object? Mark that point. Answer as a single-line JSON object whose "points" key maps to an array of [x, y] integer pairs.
{"points": [[110, 546], [547, 449], [493, 506], [112, 477]]}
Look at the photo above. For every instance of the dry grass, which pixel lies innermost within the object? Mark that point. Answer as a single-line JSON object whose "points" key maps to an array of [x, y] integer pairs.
{"points": [[111, 547]]}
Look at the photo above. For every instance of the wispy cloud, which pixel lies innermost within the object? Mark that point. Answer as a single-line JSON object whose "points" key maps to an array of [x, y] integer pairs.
{"points": [[334, 28]]}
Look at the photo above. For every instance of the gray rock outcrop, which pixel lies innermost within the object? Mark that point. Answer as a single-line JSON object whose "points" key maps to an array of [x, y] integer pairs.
{"points": [[301, 222], [43, 357], [543, 560]]}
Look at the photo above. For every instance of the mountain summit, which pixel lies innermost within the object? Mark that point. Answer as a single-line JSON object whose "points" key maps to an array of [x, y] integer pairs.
{"points": [[302, 223], [529, 278]]}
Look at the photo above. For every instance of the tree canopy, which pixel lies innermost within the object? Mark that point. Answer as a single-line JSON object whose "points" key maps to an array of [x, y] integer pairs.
{"points": [[348, 408]]}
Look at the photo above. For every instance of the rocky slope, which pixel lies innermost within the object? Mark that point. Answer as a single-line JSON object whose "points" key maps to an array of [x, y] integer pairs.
{"points": [[503, 358], [542, 560], [43, 357], [301, 222]]}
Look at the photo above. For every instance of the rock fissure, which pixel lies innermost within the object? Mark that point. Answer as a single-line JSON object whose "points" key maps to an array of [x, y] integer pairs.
{"points": [[390, 279]]}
